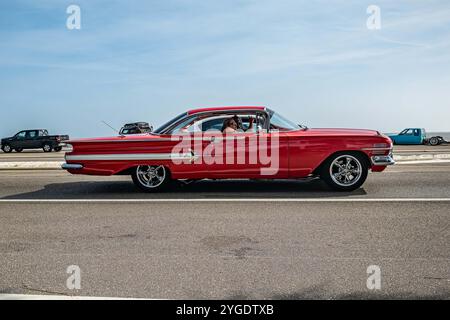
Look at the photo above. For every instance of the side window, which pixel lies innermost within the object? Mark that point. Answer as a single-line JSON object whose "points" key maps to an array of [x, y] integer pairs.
{"points": [[21, 135], [214, 124], [409, 132], [416, 132], [243, 122], [31, 134]]}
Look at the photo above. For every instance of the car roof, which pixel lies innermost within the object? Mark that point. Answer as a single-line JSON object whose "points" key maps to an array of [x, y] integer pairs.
{"points": [[230, 108]]}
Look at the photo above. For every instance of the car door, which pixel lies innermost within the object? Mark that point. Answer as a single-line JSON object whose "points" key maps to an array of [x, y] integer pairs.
{"points": [[19, 140], [409, 137], [405, 136], [255, 153], [33, 141]]}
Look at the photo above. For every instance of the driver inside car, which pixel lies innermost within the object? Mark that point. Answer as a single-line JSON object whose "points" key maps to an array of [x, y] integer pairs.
{"points": [[234, 125]]}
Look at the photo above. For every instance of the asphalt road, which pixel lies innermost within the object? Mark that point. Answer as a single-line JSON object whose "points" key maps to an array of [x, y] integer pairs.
{"points": [[404, 181], [211, 240]]}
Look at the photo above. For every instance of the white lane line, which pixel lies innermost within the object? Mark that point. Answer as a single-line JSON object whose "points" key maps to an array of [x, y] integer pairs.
{"points": [[9, 296], [421, 162], [421, 150], [224, 200]]}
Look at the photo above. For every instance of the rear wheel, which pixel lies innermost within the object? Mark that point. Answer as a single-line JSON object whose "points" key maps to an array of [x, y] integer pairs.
{"points": [[6, 148], [151, 178], [47, 147], [345, 171], [434, 141]]}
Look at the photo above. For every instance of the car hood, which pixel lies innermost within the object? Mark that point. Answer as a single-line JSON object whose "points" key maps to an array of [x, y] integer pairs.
{"points": [[342, 132]]}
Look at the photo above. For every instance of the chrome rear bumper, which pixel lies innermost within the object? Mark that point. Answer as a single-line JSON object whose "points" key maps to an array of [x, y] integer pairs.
{"points": [[71, 166], [382, 160]]}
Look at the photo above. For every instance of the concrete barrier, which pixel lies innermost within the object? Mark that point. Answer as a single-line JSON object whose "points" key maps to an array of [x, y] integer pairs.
{"points": [[31, 165], [422, 157]]}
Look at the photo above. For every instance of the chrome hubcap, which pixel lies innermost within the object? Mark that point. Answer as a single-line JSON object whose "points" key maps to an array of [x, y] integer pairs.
{"points": [[151, 176], [7, 148], [346, 170], [46, 147]]}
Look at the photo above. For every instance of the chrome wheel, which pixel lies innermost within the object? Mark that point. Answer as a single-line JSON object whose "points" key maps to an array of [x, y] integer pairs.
{"points": [[151, 176], [345, 170], [6, 148]]}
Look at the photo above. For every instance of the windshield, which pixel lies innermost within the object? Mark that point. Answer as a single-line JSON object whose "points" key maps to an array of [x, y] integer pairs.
{"points": [[279, 122]]}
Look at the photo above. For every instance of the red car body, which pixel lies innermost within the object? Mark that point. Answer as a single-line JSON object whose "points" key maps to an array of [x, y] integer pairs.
{"points": [[302, 152]]}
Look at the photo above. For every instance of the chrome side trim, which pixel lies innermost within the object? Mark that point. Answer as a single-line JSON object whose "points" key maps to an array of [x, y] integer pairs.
{"points": [[179, 138], [376, 149], [133, 156], [382, 160], [71, 166], [126, 140]]}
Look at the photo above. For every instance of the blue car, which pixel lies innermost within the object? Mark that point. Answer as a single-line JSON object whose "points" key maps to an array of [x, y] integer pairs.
{"points": [[410, 136]]}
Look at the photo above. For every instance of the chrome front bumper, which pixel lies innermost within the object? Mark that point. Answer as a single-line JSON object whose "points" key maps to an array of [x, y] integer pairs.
{"points": [[382, 160], [71, 166]]}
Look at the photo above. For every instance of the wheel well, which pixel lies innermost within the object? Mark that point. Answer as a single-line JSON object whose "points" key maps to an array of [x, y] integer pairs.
{"points": [[351, 152], [125, 172]]}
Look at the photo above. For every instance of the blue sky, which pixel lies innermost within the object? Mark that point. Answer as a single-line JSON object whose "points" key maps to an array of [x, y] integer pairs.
{"points": [[313, 61]]}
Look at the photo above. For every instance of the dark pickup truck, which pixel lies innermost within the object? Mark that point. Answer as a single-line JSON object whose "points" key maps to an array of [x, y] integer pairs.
{"points": [[34, 139]]}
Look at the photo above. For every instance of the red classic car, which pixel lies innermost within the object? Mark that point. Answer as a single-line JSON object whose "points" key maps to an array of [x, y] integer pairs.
{"points": [[234, 142]]}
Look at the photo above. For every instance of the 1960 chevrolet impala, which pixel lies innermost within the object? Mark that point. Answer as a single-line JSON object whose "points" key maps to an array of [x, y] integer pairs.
{"points": [[234, 142]]}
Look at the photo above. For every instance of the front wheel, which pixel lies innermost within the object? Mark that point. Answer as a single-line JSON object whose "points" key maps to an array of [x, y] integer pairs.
{"points": [[57, 149], [151, 178], [6, 148], [345, 171]]}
